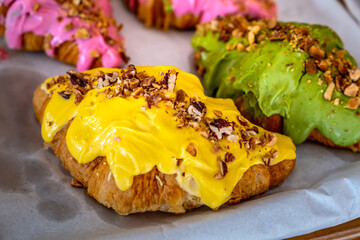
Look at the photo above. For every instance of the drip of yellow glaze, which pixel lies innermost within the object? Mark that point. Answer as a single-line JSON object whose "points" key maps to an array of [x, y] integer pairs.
{"points": [[135, 139]]}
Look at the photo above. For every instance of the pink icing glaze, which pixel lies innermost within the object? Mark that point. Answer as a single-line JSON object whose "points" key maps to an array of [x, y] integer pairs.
{"points": [[210, 9], [21, 19]]}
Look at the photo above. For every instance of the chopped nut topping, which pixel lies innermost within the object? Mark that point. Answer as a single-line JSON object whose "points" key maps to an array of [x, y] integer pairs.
{"points": [[134, 83], [353, 103], [322, 65], [354, 74], [329, 91], [316, 52], [232, 138], [272, 140], [36, 7], [272, 23], [64, 95], [220, 127], [216, 148], [94, 53], [204, 134], [76, 79], [269, 157], [240, 47], [137, 92], [147, 81], [180, 95], [352, 90], [218, 113], [251, 37], [229, 157], [169, 80], [277, 35], [223, 170], [130, 73], [153, 100], [268, 139], [191, 148], [82, 33], [242, 121], [197, 110], [310, 66]]}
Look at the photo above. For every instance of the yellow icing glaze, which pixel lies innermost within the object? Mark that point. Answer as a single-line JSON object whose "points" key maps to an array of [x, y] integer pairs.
{"points": [[134, 140]]}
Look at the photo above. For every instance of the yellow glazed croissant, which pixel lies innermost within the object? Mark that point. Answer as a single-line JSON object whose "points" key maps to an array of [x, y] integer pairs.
{"points": [[148, 139]]}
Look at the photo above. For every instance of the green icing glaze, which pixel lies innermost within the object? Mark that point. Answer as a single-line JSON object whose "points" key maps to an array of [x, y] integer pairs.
{"points": [[167, 6], [272, 80]]}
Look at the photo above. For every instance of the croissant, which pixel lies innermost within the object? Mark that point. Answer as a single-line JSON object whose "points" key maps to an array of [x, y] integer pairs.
{"points": [[81, 33], [148, 139], [185, 14], [291, 78]]}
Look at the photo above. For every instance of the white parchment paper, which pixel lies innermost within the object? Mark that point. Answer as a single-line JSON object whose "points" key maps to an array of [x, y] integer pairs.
{"points": [[37, 201]]}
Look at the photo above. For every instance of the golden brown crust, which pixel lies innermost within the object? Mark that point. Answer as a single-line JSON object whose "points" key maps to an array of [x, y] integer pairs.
{"points": [[153, 191], [3, 11], [152, 13], [68, 52], [275, 123], [32, 42], [2, 30], [315, 135]]}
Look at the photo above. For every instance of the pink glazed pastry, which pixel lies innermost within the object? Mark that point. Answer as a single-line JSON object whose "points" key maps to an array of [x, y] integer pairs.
{"points": [[185, 14], [78, 32]]}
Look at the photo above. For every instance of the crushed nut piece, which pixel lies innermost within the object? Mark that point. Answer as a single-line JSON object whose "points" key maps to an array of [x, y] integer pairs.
{"points": [[94, 53], [65, 95], [310, 66], [322, 65], [220, 127], [191, 148], [134, 83], [269, 157], [169, 80], [130, 73], [272, 23], [352, 90], [36, 7], [204, 134], [77, 79], [353, 103], [229, 157], [216, 148], [218, 113], [223, 170], [147, 81], [242, 121], [197, 110], [251, 37], [82, 33], [232, 138], [316, 52], [354, 74], [137, 92], [329, 91], [180, 95]]}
